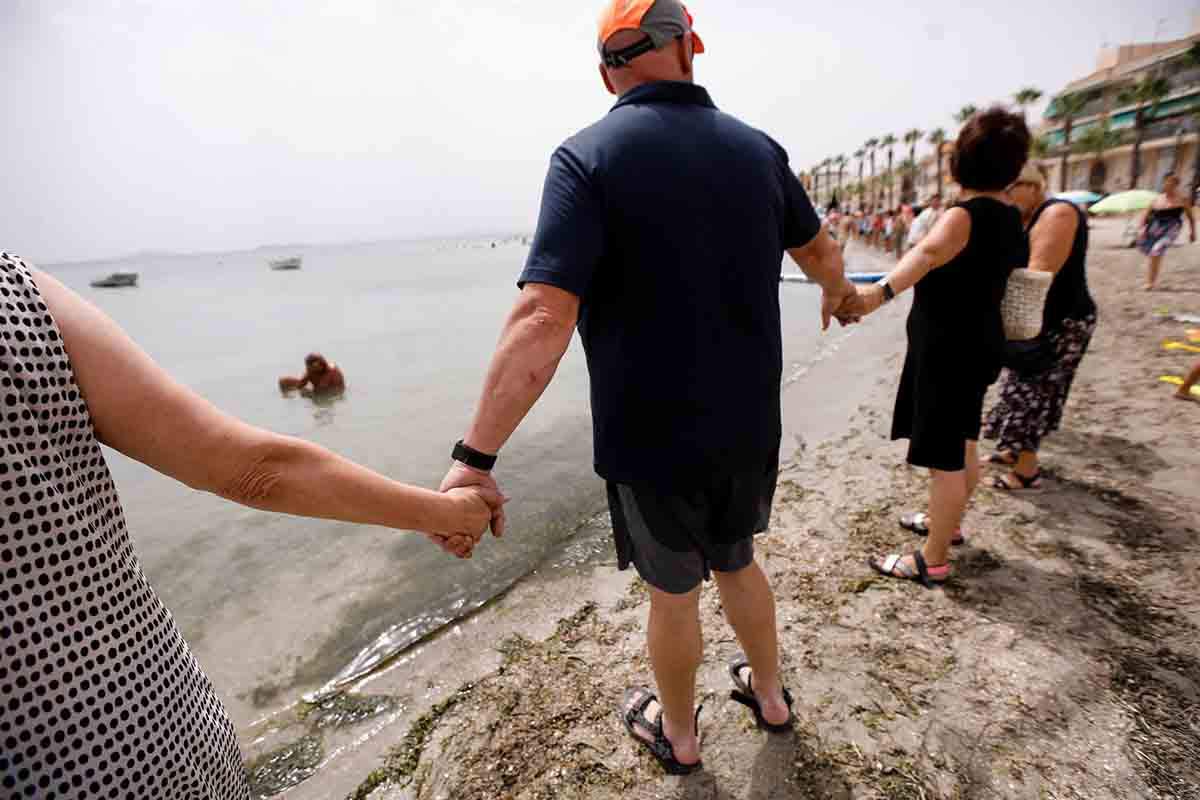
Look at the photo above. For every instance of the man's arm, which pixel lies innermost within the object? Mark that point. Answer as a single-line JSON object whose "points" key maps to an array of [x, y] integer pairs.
{"points": [[535, 338], [821, 260], [288, 384]]}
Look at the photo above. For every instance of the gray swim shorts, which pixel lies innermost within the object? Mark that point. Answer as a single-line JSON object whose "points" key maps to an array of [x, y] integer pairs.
{"points": [[676, 540]]}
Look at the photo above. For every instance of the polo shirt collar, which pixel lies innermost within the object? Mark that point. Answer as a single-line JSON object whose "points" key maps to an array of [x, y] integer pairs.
{"points": [[666, 92]]}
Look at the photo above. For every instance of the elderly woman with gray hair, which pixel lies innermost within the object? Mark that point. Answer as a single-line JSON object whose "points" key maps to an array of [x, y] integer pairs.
{"points": [[101, 695], [1035, 386]]}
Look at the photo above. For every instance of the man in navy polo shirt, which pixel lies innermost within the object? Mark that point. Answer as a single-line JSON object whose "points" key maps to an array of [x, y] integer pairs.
{"points": [[661, 234]]}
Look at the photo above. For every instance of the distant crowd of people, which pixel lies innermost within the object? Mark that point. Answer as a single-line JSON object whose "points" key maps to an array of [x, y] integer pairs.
{"points": [[892, 230]]}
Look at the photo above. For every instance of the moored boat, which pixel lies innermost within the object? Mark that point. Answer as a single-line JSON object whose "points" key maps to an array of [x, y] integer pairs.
{"points": [[292, 262], [116, 280]]}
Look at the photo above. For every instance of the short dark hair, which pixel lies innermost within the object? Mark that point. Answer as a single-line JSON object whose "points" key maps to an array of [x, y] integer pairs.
{"points": [[991, 150]]}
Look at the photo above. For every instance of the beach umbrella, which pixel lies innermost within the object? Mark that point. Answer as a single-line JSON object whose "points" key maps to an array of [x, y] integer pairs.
{"points": [[1079, 198], [1125, 202]]}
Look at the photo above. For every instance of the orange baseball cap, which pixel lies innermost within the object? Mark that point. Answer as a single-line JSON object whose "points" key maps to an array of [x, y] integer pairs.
{"points": [[660, 20]]}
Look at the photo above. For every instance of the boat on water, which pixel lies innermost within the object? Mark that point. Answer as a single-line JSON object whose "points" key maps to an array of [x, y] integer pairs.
{"points": [[292, 262], [116, 280]]}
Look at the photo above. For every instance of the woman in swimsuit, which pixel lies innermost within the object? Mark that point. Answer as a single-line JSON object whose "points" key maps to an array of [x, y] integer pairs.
{"points": [[1162, 224]]}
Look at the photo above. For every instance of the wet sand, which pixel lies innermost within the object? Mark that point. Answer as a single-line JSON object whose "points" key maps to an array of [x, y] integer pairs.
{"points": [[1062, 660]]}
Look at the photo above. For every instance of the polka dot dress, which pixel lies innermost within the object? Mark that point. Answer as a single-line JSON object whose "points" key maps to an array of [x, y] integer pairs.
{"points": [[99, 695]]}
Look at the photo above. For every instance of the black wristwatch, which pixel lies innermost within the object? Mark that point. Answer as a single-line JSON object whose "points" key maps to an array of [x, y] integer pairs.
{"points": [[888, 294], [472, 457]]}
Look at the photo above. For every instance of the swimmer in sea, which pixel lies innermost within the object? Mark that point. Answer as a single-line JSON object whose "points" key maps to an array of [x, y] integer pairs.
{"points": [[320, 377]]}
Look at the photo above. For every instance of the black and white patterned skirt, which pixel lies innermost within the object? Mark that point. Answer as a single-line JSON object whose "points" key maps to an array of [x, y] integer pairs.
{"points": [[1031, 407]]}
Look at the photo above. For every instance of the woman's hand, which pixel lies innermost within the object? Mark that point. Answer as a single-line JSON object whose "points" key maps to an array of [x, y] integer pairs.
{"points": [[470, 513], [870, 299]]}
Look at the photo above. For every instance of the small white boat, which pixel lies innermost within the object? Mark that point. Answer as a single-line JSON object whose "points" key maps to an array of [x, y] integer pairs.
{"points": [[116, 280], [287, 263]]}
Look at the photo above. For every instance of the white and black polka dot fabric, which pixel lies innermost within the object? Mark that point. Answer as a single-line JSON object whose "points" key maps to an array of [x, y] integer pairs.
{"points": [[99, 695]]}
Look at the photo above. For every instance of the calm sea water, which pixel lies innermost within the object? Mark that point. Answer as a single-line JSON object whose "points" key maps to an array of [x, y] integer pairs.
{"points": [[277, 606]]}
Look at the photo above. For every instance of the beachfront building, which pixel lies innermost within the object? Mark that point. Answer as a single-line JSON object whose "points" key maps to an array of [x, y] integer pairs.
{"points": [[927, 175], [1152, 89]]}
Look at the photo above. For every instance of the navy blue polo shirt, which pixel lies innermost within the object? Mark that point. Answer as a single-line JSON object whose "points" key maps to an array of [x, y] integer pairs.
{"points": [[669, 220]]}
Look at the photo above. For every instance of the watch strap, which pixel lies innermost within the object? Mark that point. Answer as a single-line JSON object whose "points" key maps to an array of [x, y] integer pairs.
{"points": [[888, 293], [472, 457]]}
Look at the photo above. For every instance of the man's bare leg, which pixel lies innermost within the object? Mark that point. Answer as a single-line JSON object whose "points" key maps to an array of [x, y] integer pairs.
{"points": [[675, 644], [750, 608]]}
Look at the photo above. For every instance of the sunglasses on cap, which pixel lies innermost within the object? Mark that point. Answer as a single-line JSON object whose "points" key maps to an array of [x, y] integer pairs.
{"points": [[616, 59]]}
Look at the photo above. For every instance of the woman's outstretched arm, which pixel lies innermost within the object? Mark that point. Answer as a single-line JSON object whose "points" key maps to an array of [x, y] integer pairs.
{"points": [[948, 238], [140, 410]]}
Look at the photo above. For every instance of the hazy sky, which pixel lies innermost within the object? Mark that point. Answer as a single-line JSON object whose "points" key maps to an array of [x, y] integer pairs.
{"points": [[226, 124]]}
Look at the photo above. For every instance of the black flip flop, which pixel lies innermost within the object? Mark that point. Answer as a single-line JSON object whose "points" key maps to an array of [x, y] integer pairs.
{"points": [[660, 748], [919, 524], [744, 694], [893, 567], [1027, 484]]}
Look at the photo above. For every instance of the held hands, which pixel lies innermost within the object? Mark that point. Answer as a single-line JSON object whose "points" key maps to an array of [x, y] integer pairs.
{"points": [[473, 510], [483, 508], [842, 304], [870, 299]]}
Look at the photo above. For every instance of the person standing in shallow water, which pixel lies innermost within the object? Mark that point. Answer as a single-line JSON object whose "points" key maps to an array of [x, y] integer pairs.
{"points": [[660, 235], [956, 336], [101, 696], [319, 378]]}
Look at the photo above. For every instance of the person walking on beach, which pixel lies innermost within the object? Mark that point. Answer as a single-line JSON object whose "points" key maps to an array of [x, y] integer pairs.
{"points": [[660, 235], [903, 221], [1033, 396], [1161, 225], [955, 331], [925, 221], [101, 695]]}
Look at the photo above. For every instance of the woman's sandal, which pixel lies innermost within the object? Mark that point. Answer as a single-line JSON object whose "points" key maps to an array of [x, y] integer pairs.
{"points": [[919, 524], [893, 566], [1026, 484], [744, 694], [633, 714]]}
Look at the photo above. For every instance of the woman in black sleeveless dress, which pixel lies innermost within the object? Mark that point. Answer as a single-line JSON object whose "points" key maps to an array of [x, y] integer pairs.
{"points": [[1031, 402], [1161, 225], [955, 331]]}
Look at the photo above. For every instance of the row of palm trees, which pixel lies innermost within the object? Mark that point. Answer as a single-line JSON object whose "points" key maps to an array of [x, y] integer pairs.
{"points": [[1145, 95], [828, 174]]}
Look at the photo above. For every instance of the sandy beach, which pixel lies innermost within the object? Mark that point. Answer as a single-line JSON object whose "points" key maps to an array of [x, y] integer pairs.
{"points": [[1061, 661]]}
